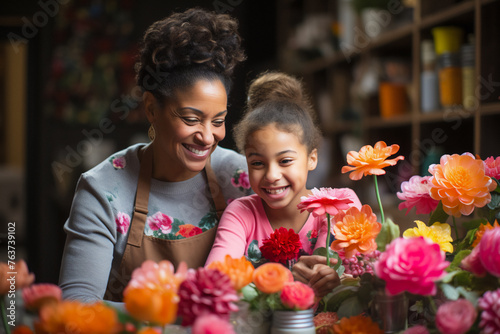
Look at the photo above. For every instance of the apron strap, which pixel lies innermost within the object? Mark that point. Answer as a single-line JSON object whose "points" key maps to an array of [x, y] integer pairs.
{"points": [[141, 198], [215, 191]]}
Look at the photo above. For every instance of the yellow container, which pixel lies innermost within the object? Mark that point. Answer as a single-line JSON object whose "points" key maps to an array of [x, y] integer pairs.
{"points": [[447, 39], [393, 99]]}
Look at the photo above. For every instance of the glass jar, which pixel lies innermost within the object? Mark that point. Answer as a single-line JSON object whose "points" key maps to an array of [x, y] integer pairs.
{"points": [[450, 79], [467, 53], [293, 322]]}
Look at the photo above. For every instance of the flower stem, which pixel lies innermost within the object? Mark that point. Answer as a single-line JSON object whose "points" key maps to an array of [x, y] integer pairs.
{"points": [[456, 228], [328, 241], [379, 201], [4, 315]]}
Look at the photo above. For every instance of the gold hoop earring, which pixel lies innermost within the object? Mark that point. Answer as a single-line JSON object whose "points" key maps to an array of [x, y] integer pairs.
{"points": [[151, 132]]}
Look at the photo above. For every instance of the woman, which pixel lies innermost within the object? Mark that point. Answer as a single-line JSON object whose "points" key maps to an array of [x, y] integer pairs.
{"points": [[161, 200]]}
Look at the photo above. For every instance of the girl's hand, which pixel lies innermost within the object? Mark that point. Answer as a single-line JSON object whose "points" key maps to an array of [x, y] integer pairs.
{"points": [[312, 270]]}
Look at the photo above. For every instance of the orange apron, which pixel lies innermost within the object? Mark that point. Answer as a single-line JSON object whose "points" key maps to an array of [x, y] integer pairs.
{"points": [[193, 250]]}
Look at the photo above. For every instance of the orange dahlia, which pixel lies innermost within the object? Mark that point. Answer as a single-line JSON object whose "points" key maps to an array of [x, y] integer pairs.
{"points": [[271, 277], [371, 160], [357, 324], [72, 317], [483, 228], [355, 231], [460, 183], [240, 270]]}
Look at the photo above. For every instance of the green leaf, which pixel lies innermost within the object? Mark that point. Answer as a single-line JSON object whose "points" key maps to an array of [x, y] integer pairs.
{"points": [[350, 307], [471, 296], [455, 264], [389, 232], [495, 201], [450, 292], [338, 295], [208, 221], [438, 215], [322, 252], [175, 225], [253, 251], [249, 292], [474, 224]]}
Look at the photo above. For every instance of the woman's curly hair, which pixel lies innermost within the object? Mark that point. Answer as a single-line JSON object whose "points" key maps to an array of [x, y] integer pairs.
{"points": [[185, 47]]}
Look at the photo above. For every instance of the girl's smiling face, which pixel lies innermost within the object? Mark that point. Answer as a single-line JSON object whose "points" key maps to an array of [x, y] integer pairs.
{"points": [[278, 164]]}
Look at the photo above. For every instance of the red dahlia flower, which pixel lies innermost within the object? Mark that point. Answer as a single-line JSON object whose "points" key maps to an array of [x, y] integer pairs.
{"points": [[281, 246]]}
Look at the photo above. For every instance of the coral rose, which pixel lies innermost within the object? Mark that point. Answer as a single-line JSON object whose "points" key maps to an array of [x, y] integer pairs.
{"points": [[355, 231], [271, 277], [159, 275], [240, 271], [297, 296], [416, 193], [492, 167], [411, 265], [211, 324], [371, 160], [357, 324], [455, 317], [439, 233], [459, 182], [326, 200], [489, 251], [37, 295], [71, 317]]}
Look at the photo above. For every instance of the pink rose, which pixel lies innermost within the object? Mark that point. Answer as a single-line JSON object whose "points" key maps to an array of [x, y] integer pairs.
{"points": [[297, 296], [412, 265], [419, 329], [37, 295], [455, 317], [211, 324], [325, 200], [160, 221], [473, 263], [119, 163], [416, 193], [244, 181], [489, 251], [122, 221], [489, 303], [492, 167]]}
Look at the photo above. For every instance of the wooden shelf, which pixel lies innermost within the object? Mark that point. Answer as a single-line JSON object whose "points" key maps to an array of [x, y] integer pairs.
{"points": [[490, 108], [447, 14], [396, 121]]}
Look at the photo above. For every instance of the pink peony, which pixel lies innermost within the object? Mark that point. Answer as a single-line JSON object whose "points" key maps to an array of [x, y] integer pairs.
{"points": [[489, 303], [244, 181], [489, 251], [473, 263], [211, 324], [492, 167], [122, 221], [325, 200], [160, 221], [37, 295], [297, 296], [206, 291], [455, 317], [119, 163], [411, 265], [419, 329], [161, 274], [416, 193]]}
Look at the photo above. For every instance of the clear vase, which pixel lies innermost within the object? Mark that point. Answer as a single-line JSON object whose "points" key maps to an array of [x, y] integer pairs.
{"points": [[293, 322], [246, 321], [391, 312]]}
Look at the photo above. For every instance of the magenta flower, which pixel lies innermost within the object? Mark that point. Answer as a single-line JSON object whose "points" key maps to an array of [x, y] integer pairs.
{"points": [[455, 317], [419, 329], [416, 193], [160, 221], [243, 180], [492, 167], [211, 324], [122, 221], [489, 251], [119, 163], [206, 291], [325, 200], [297, 296], [412, 265], [489, 303], [473, 263]]}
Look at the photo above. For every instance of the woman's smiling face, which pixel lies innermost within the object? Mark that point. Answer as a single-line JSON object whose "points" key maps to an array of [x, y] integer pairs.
{"points": [[188, 129]]}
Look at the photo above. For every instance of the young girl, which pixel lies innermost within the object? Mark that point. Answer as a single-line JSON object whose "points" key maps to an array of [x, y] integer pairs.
{"points": [[280, 141]]}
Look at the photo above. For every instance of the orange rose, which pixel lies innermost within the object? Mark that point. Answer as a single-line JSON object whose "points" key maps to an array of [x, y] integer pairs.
{"points": [[355, 231], [371, 160], [357, 324], [240, 271], [156, 305], [271, 277], [483, 228], [72, 317]]}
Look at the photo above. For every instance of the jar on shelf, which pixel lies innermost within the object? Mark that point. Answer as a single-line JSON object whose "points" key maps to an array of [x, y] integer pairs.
{"points": [[429, 83], [467, 53], [450, 79]]}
